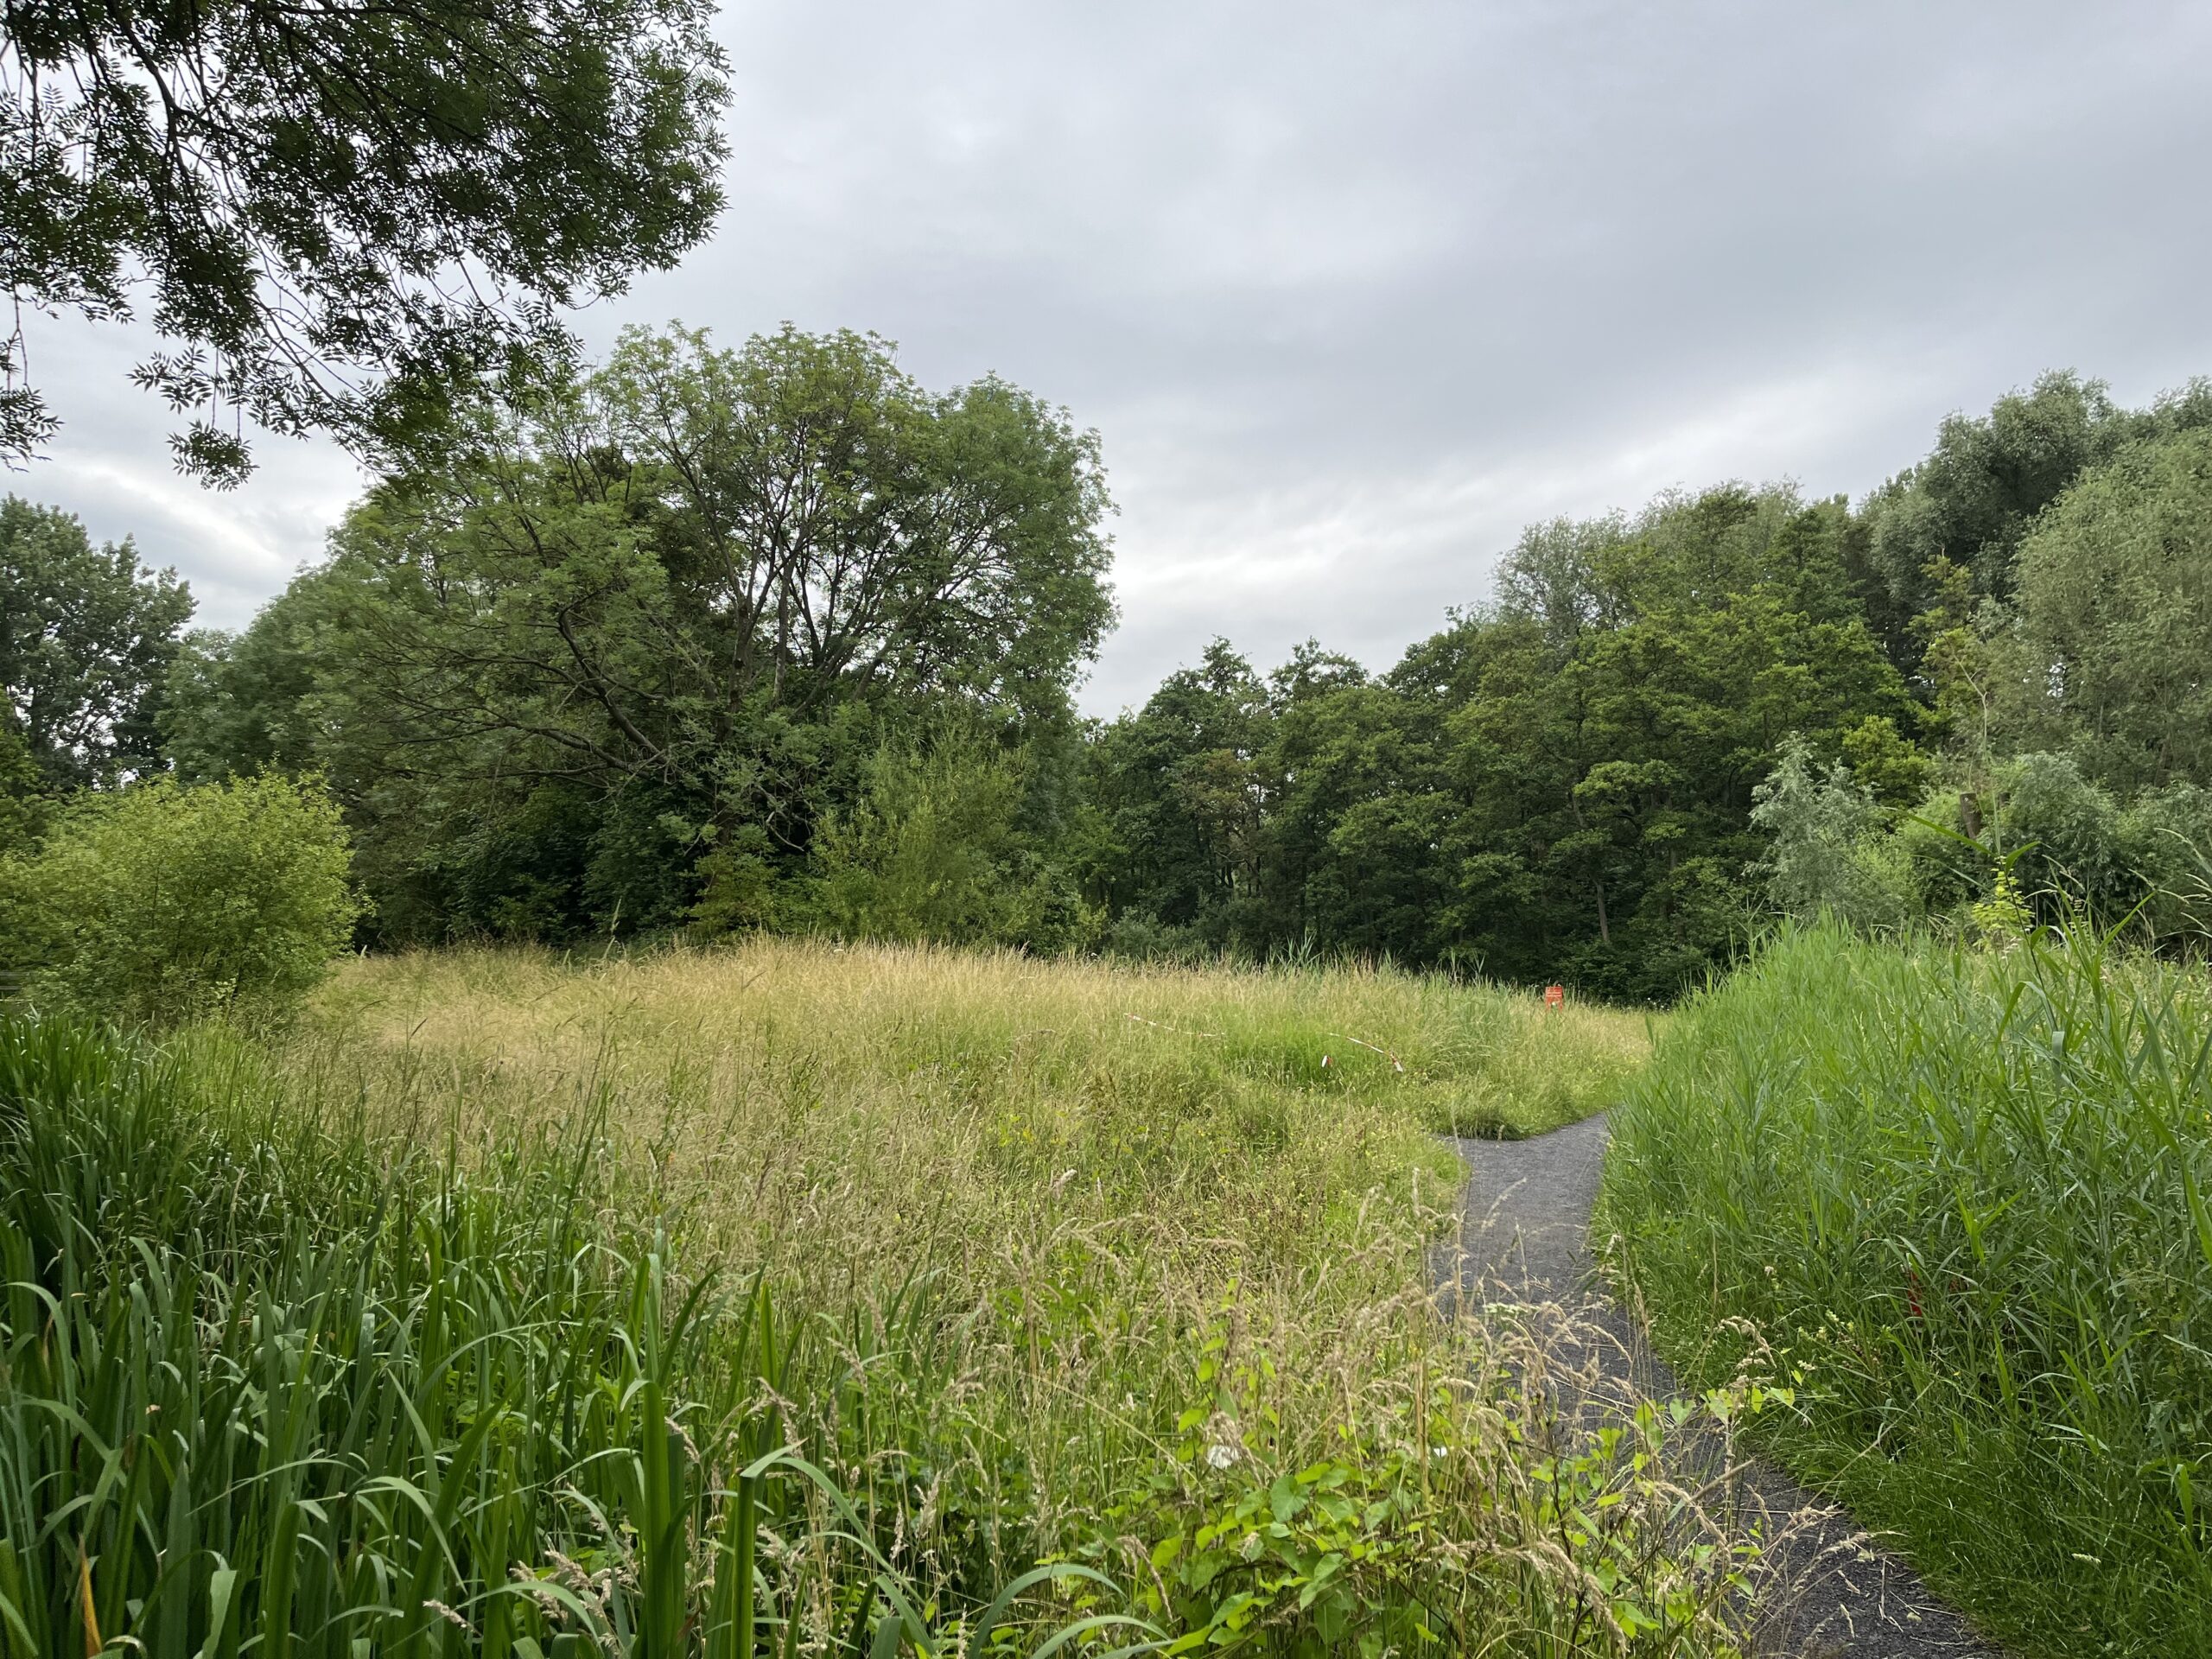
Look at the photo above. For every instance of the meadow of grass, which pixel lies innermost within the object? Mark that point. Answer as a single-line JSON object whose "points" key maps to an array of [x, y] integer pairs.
{"points": [[1964, 1194], [794, 1299]]}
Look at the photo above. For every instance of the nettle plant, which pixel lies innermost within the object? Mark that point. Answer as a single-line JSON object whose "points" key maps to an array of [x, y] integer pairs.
{"points": [[1437, 1518]]}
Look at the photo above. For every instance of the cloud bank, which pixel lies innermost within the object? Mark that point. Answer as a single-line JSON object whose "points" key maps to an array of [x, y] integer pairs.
{"points": [[1355, 292]]}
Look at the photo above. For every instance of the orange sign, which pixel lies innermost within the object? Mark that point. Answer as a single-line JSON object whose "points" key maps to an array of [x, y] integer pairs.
{"points": [[1554, 995]]}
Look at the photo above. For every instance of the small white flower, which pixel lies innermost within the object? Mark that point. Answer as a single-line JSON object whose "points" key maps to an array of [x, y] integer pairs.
{"points": [[1219, 1456]]}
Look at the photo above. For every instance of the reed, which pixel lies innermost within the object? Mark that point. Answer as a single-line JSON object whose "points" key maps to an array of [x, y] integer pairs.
{"points": [[1965, 1192], [292, 1395]]}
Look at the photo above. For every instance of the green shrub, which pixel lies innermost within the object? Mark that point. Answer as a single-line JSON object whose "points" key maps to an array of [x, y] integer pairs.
{"points": [[2066, 829], [935, 849], [2166, 842], [1829, 853], [160, 903]]}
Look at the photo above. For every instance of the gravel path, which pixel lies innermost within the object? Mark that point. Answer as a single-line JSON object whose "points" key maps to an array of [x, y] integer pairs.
{"points": [[1527, 1212]]}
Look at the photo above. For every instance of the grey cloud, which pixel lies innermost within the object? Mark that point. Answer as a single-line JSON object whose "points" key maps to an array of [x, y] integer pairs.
{"points": [[111, 467], [1355, 291]]}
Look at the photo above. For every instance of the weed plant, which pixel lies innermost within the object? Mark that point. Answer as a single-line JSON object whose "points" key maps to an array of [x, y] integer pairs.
{"points": [[1965, 1193], [790, 1300]]}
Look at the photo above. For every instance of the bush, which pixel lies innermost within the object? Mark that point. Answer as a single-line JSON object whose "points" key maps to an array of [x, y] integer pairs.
{"points": [[2166, 842], [2069, 829], [1829, 854], [162, 903], [935, 850]]}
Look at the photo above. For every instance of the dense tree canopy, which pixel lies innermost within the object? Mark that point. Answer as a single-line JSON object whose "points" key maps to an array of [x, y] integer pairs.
{"points": [[1662, 726], [775, 638], [341, 213], [2111, 644], [87, 637], [1557, 783], [661, 612], [1967, 507]]}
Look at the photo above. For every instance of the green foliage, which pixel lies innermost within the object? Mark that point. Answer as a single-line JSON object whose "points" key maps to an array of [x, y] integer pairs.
{"points": [[1558, 787], [289, 1393], [2063, 832], [1825, 858], [162, 903], [235, 704], [1967, 508], [666, 613], [2165, 840], [2038, 842], [933, 849], [1964, 1194], [1945, 866], [2113, 645], [1981, 486], [1886, 763], [23, 806], [87, 637], [654, 652], [1177, 800], [2001, 918], [286, 1371], [1575, 782], [345, 215], [1340, 1556]]}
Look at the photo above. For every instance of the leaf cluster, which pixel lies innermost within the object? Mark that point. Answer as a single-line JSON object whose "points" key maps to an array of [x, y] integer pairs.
{"points": [[342, 214]]}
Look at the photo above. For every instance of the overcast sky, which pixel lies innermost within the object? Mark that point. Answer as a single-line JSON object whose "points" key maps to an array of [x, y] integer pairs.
{"points": [[1355, 291]]}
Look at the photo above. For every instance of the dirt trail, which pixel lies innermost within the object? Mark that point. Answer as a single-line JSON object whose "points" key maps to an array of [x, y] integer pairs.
{"points": [[1526, 1208]]}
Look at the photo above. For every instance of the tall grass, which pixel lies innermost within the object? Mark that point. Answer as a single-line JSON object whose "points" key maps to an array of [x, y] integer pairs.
{"points": [[1967, 1195], [1466, 1058], [793, 1301], [265, 1394]]}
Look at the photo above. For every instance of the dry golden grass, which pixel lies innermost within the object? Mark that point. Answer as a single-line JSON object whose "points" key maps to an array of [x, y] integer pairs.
{"points": [[1116, 1186], [1469, 1059], [812, 1103], [1125, 1150]]}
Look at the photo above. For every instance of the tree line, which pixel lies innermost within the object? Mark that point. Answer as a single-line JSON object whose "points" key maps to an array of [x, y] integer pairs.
{"points": [[773, 637]]}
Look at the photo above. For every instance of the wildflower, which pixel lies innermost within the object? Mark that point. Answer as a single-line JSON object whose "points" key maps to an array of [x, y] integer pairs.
{"points": [[1219, 1456]]}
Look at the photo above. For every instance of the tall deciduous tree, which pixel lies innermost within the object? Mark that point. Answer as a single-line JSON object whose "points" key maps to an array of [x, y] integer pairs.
{"points": [[1559, 784], [693, 542], [666, 609], [1180, 799], [339, 211], [1967, 507], [2110, 652], [86, 637]]}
